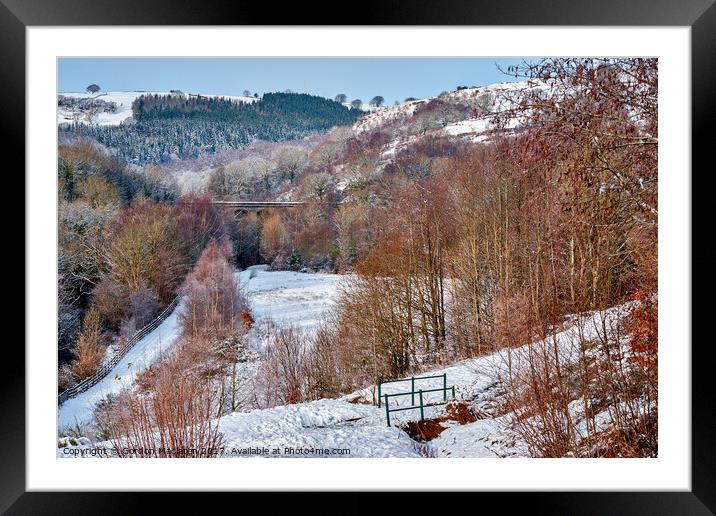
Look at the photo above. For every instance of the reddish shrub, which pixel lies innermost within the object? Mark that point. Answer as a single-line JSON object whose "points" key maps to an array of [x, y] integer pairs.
{"points": [[213, 298], [643, 326]]}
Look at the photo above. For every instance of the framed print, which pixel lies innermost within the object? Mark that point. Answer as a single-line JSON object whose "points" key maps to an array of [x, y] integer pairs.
{"points": [[421, 252]]}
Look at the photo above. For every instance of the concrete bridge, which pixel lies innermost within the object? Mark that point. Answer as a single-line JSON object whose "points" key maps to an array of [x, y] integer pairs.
{"points": [[258, 205]]}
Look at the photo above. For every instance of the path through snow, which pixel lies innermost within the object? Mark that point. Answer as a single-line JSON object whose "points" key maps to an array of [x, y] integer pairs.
{"points": [[140, 357]]}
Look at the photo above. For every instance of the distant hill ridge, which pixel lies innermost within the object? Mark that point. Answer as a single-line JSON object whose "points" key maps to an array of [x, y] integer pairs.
{"points": [[201, 125]]}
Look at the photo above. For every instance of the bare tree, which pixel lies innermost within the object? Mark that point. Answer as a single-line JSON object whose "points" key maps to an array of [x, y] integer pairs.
{"points": [[89, 349], [290, 162], [285, 364], [213, 299], [318, 186]]}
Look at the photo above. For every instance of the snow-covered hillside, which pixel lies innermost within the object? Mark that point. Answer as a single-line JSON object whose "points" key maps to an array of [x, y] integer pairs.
{"points": [[353, 422], [123, 100], [329, 427], [484, 97], [278, 298]]}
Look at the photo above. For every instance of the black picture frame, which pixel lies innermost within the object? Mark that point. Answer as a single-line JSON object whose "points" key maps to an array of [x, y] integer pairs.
{"points": [[700, 15]]}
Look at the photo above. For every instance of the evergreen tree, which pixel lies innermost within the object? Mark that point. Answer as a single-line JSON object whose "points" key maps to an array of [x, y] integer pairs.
{"points": [[176, 126]]}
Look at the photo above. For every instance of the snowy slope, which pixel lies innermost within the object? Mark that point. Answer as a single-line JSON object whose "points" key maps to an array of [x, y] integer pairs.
{"points": [[331, 423], [124, 100], [283, 298], [321, 428], [474, 126], [379, 117], [352, 421], [140, 357]]}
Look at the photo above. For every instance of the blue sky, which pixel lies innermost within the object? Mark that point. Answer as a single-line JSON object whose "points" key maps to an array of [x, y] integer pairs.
{"points": [[363, 78]]}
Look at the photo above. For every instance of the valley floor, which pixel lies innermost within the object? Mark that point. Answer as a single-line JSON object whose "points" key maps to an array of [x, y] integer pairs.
{"points": [[329, 427]]}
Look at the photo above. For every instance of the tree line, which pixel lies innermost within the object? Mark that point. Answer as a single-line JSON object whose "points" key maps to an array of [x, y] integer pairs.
{"points": [[471, 249], [124, 247]]}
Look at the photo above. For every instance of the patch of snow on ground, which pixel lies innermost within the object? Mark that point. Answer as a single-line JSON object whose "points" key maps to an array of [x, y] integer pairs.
{"points": [[485, 438], [287, 299], [308, 429], [472, 126]]}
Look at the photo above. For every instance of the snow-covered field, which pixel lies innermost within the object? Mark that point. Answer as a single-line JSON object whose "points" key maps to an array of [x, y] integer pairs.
{"points": [[290, 298], [124, 100]]}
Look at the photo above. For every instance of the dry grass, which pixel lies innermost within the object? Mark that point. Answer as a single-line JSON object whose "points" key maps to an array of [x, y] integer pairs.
{"points": [[601, 402], [429, 429]]}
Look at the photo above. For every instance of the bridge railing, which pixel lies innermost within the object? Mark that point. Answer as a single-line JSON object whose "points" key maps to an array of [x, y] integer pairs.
{"points": [[104, 370], [277, 204], [422, 404], [261, 205]]}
